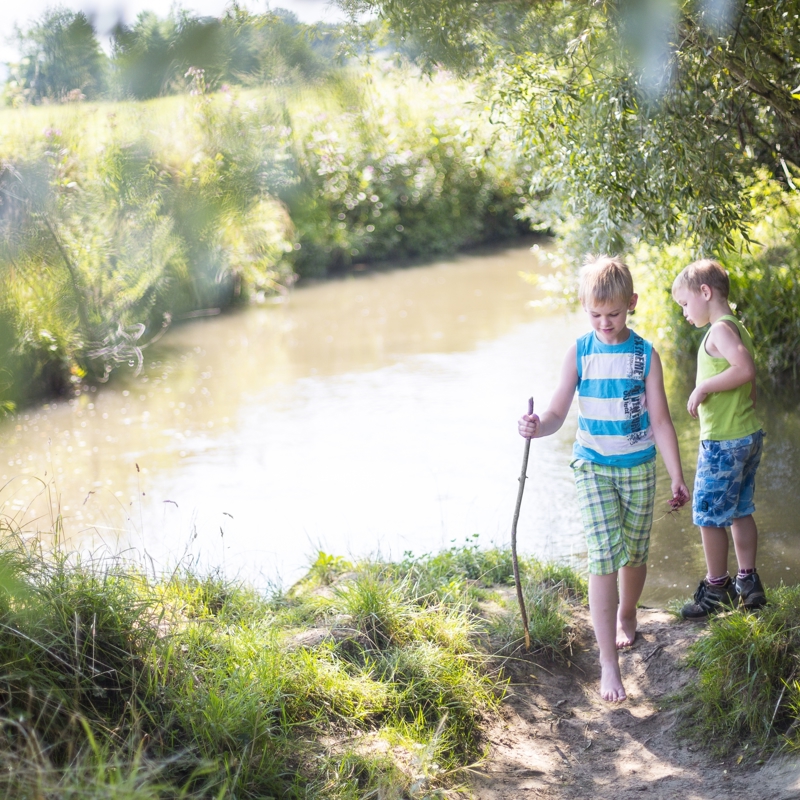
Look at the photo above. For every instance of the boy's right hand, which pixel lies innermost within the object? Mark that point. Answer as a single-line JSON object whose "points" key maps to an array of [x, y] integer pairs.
{"points": [[528, 426], [695, 398]]}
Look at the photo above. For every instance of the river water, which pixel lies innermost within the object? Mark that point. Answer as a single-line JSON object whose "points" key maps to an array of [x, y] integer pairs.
{"points": [[370, 415]]}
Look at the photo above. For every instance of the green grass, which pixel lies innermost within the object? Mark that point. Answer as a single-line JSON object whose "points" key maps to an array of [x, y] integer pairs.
{"points": [[747, 691], [483, 579], [367, 679]]}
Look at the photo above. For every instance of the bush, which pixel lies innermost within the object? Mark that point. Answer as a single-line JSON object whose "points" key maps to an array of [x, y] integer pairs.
{"points": [[117, 220], [395, 172], [765, 286]]}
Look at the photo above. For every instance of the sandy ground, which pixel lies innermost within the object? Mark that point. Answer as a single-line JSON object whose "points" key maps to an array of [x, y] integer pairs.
{"points": [[557, 739]]}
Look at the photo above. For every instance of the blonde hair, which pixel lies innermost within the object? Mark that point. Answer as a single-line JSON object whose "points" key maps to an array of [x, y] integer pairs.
{"points": [[706, 272], [605, 279]]}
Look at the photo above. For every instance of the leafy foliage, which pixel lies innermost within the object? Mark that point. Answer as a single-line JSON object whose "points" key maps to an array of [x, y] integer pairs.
{"points": [[645, 118], [152, 56], [61, 58], [397, 172], [765, 284], [115, 221], [88, 254]]}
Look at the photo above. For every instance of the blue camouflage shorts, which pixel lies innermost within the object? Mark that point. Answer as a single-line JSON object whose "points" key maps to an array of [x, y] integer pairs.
{"points": [[725, 481]]}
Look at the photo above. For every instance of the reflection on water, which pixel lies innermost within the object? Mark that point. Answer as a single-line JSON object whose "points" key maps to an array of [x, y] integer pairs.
{"points": [[371, 414]]}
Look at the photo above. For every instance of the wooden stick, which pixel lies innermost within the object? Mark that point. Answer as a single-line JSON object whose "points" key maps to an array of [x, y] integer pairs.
{"points": [[520, 598]]}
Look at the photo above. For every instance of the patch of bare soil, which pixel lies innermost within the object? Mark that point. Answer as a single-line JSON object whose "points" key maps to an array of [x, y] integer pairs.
{"points": [[557, 739]]}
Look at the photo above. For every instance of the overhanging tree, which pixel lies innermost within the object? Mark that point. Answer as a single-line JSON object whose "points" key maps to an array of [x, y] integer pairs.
{"points": [[641, 117]]}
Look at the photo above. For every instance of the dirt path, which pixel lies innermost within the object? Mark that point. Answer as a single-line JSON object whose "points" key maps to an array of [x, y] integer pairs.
{"points": [[557, 739]]}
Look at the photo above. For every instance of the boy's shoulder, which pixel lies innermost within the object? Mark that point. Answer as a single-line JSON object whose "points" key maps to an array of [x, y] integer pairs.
{"points": [[727, 319], [728, 323]]}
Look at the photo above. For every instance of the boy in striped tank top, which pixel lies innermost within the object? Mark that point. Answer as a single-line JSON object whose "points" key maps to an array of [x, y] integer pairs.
{"points": [[730, 442], [622, 416]]}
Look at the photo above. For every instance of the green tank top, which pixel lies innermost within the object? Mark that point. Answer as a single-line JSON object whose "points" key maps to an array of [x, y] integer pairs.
{"points": [[725, 415]]}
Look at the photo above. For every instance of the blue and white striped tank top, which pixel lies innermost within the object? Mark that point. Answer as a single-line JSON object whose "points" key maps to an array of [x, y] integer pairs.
{"points": [[613, 423]]}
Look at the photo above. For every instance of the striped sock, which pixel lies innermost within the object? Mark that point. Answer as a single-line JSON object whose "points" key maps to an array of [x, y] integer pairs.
{"points": [[718, 581], [743, 573]]}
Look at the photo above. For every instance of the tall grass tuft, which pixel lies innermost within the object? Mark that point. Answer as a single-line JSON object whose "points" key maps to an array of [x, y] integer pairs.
{"points": [[747, 690], [483, 578], [367, 679]]}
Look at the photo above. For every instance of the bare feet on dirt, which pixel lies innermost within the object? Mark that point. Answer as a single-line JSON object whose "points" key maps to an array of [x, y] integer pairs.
{"points": [[556, 739], [626, 631], [611, 688]]}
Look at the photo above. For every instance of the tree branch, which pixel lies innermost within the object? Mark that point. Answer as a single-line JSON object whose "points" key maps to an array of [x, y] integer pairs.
{"points": [[779, 99]]}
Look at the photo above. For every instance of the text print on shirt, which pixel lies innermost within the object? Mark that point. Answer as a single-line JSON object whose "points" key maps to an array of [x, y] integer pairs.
{"points": [[633, 398]]}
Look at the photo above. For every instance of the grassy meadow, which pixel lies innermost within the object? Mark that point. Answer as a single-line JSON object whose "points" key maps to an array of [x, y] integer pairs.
{"points": [[367, 679], [120, 219]]}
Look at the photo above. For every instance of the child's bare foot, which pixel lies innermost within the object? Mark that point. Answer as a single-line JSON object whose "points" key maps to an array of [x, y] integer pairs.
{"points": [[611, 688], [626, 631]]}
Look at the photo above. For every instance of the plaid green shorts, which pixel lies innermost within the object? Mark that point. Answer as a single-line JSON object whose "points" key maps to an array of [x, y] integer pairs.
{"points": [[617, 511]]}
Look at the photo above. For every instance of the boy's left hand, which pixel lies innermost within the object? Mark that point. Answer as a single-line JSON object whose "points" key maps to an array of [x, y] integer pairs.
{"points": [[680, 496], [695, 398]]}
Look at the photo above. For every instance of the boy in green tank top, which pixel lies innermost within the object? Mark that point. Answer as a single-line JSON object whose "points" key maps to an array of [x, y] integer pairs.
{"points": [[730, 441]]}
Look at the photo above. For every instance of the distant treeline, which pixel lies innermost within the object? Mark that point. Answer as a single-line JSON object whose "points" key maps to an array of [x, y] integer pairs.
{"points": [[62, 60]]}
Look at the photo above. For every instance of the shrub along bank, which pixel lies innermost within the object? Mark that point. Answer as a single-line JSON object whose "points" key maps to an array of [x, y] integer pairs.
{"points": [[368, 679], [116, 220], [765, 286]]}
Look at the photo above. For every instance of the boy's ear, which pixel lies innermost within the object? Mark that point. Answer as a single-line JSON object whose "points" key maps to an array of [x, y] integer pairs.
{"points": [[706, 291], [634, 299]]}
